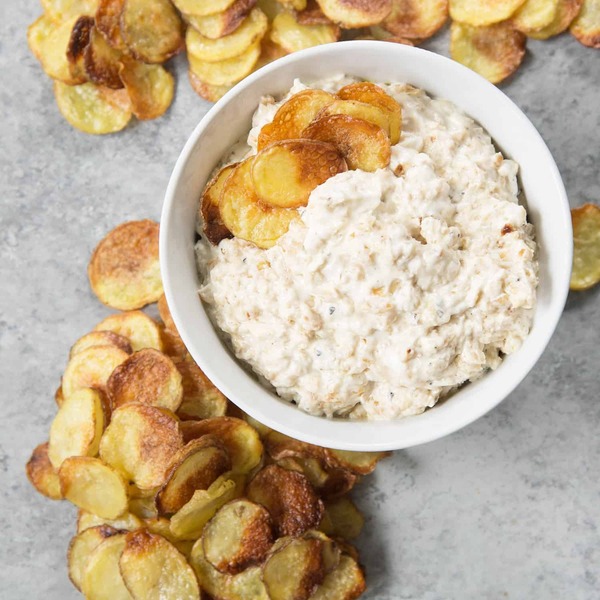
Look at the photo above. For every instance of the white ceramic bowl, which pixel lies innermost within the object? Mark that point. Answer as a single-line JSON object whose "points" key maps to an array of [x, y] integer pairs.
{"points": [[230, 118]]}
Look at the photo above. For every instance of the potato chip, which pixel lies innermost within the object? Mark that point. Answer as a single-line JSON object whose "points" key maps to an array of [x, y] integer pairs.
{"points": [[149, 377], [359, 110], [141, 331], [376, 32], [209, 92], [365, 146], [101, 61], [152, 29], [566, 11], [143, 508], [93, 486], [226, 72], [117, 98], [238, 536], [100, 338], [82, 546], [586, 26], [271, 8], [38, 33], [213, 227], [416, 19], [173, 345], [102, 577], [261, 429], [153, 569], [202, 7], [165, 314], [77, 427], [361, 463], [195, 467], [140, 443], [62, 10], [292, 36], [85, 108], [124, 270], [42, 474], [330, 550], [534, 15], [76, 48], [108, 22], [290, 499], [342, 519], [222, 23], [495, 52], [240, 439], [483, 12], [285, 173], [269, 51], [245, 216], [346, 582], [127, 521], [312, 14], [586, 251], [351, 14], [91, 368], [252, 29]]}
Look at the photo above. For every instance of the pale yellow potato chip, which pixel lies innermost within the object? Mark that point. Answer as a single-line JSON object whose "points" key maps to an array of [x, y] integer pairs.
{"points": [[125, 521], [351, 14], [202, 7], [586, 252], [102, 577], [141, 330], [209, 92], [586, 27], [62, 10], [534, 15], [345, 582], [100, 338], [566, 11], [483, 12], [342, 519], [292, 36], [416, 19]]}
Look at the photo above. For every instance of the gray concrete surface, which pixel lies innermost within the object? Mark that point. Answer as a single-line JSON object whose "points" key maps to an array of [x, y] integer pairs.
{"points": [[507, 508]]}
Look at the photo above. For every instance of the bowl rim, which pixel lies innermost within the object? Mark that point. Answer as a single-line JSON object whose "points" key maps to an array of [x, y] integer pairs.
{"points": [[311, 428]]}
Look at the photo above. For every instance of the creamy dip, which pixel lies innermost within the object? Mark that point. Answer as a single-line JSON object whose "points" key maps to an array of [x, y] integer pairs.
{"points": [[394, 287]]}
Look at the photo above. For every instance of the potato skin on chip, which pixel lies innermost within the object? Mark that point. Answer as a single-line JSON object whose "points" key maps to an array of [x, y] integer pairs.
{"points": [[42, 474], [416, 19], [292, 36], [586, 26], [101, 61], [136, 326], [566, 11], [495, 52], [351, 14], [214, 228], [78, 43], [483, 12], [124, 270], [586, 251]]}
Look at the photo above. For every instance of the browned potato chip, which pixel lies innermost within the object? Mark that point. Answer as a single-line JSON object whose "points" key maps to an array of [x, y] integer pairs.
{"points": [[312, 14], [100, 338], [586, 251], [42, 474], [290, 499], [149, 377], [62, 10], [269, 52], [534, 15], [365, 146], [91, 368], [209, 92], [195, 467], [152, 29], [101, 61], [214, 228], [90, 484], [483, 12], [141, 331], [165, 314], [240, 439], [245, 216], [253, 28], [238, 536], [285, 173], [221, 23], [356, 13], [124, 270], [359, 110], [416, 19], [330, 550], [126, 521], [566, 11], [495, 52], [342, 519], [117, 98], [586, 26], [153, 569], [86, 109], [229, 71], [293, 36], [78, 43], [173, 345], [140, 443], [345, 582], [202, 7], [108, 22], [361, 463]]}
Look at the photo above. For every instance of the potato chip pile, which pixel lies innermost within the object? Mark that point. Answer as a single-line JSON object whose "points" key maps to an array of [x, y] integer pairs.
{"points": [[179, 492], [586, 247]]}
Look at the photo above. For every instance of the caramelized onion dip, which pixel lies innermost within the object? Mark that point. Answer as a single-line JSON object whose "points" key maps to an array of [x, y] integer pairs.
{"points": [[394, 287]]}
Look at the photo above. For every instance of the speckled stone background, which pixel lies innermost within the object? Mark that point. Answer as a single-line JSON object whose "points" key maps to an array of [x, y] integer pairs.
{"points": [[507, 508]]}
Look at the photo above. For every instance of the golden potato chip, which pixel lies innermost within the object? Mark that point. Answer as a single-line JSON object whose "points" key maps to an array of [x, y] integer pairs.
{"points": [[342, 519], [238, 536], [285, 173], [351, 14], [416, 19], [189, 521], [253, 28], [81, 547], [566, 11], [153, 569], [330, 550], [62, 10], [86, 109], [202, 7], [495, 52], [58, 395], [165, 314], [117, 98], [124, 270], [140, 443], [586, 250], [100, 338], [359, 110], [77, 427], [361, 463], [261, 429], [152, 29], [91, 368], [312, 14], [240, 439], [149, 377], [38, 33], [245, 216], [101, 61], [365, 146], [94, 486], [269, 51], [42, 474], [102, 577], [222, 23], [108, 22], [290, 499], [78, 43], [144, 508], [213, 227], [126, 521], [292, 36], [162, 526], [345, 582], [483, 12], [534, 15], [226, 72], [141, 331], [586, 26], [195, 467], [173, 345], [209, 92]]}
